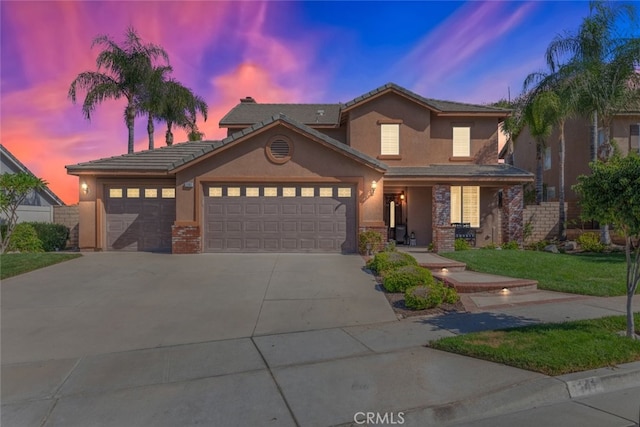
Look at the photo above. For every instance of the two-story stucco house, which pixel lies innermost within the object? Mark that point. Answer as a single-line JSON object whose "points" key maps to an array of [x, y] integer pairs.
{"points": [[309, 177]]}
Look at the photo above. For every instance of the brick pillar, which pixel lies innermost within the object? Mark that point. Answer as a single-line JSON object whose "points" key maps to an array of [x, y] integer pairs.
{"points": [[443, 232], [512, 214], [185, 239]]}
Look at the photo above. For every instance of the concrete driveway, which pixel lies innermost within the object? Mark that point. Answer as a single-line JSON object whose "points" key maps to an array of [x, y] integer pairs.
{"points": [[109, 302]]}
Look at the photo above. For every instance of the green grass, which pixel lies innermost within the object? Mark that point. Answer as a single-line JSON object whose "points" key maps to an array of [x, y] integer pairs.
{"points": [[14, 264], [552, 349], [586, 273]]}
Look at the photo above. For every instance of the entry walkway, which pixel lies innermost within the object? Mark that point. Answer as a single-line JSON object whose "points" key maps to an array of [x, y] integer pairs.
{"points": [[455, 274]]}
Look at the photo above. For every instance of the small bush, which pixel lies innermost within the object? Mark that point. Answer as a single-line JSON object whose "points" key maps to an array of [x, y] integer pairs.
{"points": [[423, 297], [385, 261], [461, 245], [590, 242], [490, 246], [370, 241], [510, 245], [537, 246], [402, 278], [53, 236], [390, 246], [24, 239]]}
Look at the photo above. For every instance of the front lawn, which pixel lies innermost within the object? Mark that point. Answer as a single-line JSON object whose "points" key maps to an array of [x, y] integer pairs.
{"points": [[585, 273], [14, 264], [551, 349]]}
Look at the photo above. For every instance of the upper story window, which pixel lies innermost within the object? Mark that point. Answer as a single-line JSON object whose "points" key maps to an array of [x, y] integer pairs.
{"points": [[389, 139], [461, 141]]}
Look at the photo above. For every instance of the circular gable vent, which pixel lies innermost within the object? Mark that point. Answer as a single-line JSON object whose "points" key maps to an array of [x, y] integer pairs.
{"points": [[279, 149]]}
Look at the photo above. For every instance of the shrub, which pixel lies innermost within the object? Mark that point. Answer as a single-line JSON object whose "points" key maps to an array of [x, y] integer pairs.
{"points": [[24, 239], [422, 297], [390, 246], [402, 278], [590, 242], [537, 246], [461, 245], [370, 241], [511, 245], [53, 236], [385, 261], [490, 246]]}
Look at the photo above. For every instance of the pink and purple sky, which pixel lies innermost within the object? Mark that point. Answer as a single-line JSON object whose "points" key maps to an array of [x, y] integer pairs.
{"points": [[275, 51]]}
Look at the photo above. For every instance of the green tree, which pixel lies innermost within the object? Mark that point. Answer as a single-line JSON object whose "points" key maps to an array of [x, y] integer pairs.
{"points": [[152, 98], [14, 188], [123, 71], [540, 113], [513, 124], [611, 194]]}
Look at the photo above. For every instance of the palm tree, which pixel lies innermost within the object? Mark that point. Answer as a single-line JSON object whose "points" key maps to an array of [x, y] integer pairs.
{"points": [[122, 72], [151, 100], [540, 114], [513, 124], [562, 83], [180, 107], [604, 65]]}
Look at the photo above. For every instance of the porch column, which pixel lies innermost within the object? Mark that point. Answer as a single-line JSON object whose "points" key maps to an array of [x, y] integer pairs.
{"points": [[512, 214], [443, 232]]}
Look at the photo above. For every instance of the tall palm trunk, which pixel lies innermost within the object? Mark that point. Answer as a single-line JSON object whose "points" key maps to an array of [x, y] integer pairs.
{"points": [[539, 169], [150, 130], [130, 116], [169, 134], [562, 213]]}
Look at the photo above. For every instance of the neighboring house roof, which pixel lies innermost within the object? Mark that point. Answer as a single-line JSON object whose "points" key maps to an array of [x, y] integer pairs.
{"points": [[502, 171], [18, 166], [249, 112], [438, 106], [166, 160]]}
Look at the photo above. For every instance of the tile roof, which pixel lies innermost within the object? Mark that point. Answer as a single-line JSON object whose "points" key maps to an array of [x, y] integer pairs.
{"points": [[459, 171], [247, 113], [166, 159], [436, 104]]}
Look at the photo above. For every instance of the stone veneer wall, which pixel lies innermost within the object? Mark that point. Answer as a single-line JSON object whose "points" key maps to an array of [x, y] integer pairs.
{"points": [[512, 214], [70, 217], [185, 239], [544, 219], [443, 232]]}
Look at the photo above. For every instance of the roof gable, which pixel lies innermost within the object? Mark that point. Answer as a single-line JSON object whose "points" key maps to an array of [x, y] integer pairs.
{"points": [[439, 107], [9, 158], [169, 160]]}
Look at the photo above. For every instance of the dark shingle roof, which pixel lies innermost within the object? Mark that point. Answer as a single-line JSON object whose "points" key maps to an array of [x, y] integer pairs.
{"points": [[247, 113], [459, 171], [166, 159], [436, 104]]}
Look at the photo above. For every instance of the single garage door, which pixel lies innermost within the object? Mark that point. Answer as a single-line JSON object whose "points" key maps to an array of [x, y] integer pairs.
{"points": [[139, 218], [280, 218]]}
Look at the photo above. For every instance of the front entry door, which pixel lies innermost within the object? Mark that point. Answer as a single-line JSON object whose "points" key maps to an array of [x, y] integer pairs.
{"points": [[393, 217]]}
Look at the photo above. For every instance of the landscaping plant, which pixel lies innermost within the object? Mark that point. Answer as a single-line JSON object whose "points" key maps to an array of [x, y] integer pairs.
{"points": [[24, 239], [383, 262], [370, 242], [402, 278], [14, 188], [611, 195]]}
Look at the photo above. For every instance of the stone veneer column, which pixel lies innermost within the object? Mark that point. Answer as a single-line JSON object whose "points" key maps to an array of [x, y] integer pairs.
{"points": [[185, 239], [512, 214], [443, 232]]}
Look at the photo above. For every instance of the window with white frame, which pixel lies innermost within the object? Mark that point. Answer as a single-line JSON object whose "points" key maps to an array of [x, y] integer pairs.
{"points": [[465, 205], [389, 139], [461, 141]]}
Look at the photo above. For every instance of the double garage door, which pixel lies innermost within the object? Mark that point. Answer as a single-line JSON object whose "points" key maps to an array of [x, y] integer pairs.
{"points": [[139, 218], [279, 218]]}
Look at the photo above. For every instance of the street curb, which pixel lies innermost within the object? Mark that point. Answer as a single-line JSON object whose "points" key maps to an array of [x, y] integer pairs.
{"points": [[603, 380]]}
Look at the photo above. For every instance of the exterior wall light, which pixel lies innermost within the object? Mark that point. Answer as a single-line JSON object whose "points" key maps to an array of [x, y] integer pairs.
{"points": [[85, 188], [374, 185], [402, 196]]}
